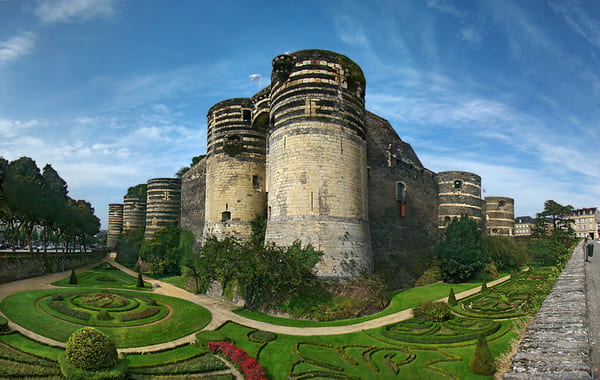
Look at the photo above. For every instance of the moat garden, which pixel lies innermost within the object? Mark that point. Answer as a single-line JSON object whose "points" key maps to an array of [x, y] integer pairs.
{"points": [[434, 345]]}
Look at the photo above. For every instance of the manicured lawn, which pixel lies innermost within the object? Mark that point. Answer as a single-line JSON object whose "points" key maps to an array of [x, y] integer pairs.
{"points": [[400, 300], [104, 276], [187, 318], [29, 346], [165, 357]]}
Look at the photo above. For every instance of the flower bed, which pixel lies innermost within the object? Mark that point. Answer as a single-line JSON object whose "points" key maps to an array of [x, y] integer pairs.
{"points": [[248, 366]]}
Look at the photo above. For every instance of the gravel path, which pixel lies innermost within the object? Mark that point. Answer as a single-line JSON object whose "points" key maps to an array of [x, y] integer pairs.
{"points": [[221, 311]]}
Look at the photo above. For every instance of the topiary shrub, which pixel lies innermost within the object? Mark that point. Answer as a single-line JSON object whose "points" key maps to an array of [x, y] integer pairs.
{"points": [[140, 281], [261, 336], [203, 337], [90, 349], [151, 302], [452, 298], [103, 316], [118, 372], [433, 311], [57, 297], [73, 278], [484, 287], [482, 362]]}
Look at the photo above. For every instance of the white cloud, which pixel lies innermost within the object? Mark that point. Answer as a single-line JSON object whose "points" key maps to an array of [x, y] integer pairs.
{"points": [[350, 31], [446, 7], [12, 128], [580, 21], [74, 11], [16, 47]]}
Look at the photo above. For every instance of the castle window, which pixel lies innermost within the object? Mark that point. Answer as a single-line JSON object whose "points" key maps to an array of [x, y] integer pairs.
{"points": [[457, 184], [225, 216], [246, 116], [447, 221], [256, 182], [501, 205], [400, 192]]}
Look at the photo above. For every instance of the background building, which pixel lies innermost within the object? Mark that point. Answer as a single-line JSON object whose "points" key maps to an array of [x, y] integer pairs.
{"points": [[585, 222]]}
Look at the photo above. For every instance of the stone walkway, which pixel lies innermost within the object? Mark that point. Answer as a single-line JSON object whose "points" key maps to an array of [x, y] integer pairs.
{"points": [[221, 312]]}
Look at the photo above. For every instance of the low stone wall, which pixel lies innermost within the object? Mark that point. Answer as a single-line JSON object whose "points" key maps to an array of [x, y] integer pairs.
{"points": [[556, 344], [18, 266]]}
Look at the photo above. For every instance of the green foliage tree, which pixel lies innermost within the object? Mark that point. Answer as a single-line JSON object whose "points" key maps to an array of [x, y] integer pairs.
{"points": [[138, 191], [482, 362], [452, 298], [90, 349], [162, 251], [129, 246], [140, 281], [484, 287], [505, 253], [462, 252], [559, 213]]}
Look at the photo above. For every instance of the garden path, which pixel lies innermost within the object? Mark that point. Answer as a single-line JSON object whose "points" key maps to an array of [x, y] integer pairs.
{"points": [[221, 311]]}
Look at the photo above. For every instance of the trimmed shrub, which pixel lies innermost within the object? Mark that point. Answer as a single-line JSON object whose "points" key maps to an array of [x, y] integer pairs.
{"points": [[117, 372], [140, 281], [484, 287], [57, 297], [203, 337], [248, 365], [151, 302], [90, 349], [482, 362], [62, 308], [3, 324], [106, 279], [261, 336], [433, 311], [146, 313], [452, 298], [73, 278], [103, 316]]}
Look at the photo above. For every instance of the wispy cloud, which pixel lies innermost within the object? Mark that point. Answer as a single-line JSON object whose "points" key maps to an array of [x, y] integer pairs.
{"points": [[75, 11], [580, 21], [16, 47], [446, 7], [350, 31]]}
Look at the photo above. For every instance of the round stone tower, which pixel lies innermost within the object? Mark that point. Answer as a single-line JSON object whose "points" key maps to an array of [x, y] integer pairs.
{"points": [[499, 216], [115, 224], [235, 169], [459, 193], [134, 212], [317, 171], [163, 204]]}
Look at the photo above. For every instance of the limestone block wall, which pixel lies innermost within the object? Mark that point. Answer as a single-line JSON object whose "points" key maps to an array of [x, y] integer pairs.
{"points": [[317, 171], [499, 216], [557, 342], [459, 193], [193, 199], [402, 244], [115, 224], [235, 169], [163, 204], [134, 212]]}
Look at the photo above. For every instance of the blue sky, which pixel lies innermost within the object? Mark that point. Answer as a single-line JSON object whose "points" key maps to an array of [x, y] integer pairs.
{"points": [[112, 93]]}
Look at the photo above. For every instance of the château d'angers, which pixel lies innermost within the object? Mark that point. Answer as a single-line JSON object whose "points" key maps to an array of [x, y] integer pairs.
{"points": [[306, 153]]}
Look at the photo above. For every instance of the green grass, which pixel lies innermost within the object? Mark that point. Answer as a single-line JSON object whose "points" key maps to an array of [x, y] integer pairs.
{"points": [[93, 279], [187, 318], [400, 300], [165, 357], [32, 347]]}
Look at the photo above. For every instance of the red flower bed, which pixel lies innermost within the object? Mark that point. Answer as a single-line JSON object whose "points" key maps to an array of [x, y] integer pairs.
{"points": [[248, 365]]}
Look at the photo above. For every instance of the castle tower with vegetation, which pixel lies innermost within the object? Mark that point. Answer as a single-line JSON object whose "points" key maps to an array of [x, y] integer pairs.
{"points": [[317, 171], [163, 204], [134, 208], [115, 224], [235, 169], [500, 216], [459, 194]]}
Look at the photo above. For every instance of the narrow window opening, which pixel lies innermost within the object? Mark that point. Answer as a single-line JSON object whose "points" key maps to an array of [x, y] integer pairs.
{"points": [[225, 216], [457, 184], [269, 213], [256, 182], [311, 201], [246, 116], [400, 192], [501, 205], [226, 206], [447, 221]]}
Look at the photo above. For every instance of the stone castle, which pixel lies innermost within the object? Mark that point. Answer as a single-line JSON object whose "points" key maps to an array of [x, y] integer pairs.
{"points": [[305, 153]]}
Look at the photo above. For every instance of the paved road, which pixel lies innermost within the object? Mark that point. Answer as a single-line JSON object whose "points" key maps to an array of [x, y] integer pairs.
{"points": [[593, 304], [221, 311]]}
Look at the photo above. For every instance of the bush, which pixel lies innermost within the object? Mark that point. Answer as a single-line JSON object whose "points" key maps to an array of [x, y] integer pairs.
{"points": [[203, 337], [140, 281], [117, 372], [433, 311], [452, 298], [151, 302], [146, 313], [90, 349], [62, 308], [106, 279], [505, 253], [103, 316], [3, 324], [482, 362], [261, 336], [57, 297], [73, 278]]}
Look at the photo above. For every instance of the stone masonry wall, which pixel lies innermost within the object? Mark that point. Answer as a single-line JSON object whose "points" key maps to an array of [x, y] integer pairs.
{"points": [[402, 245], [459, 193], [499, 216], [556, 345], [193, 186]]}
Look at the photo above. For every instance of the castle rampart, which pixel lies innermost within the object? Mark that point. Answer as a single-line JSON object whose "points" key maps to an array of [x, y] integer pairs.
{"points": [[317, 160], [163, 204], [499, 216], [134, 212], [193, 200], [459, 194], [235, 169]]}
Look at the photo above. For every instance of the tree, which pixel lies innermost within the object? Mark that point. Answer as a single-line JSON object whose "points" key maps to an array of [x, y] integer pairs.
{"points": [[56, 200], [140, 281], [462, 252], [452, 298], [161, 251], [559, 213], [73, 278], [482, 362], [129, 245]]}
